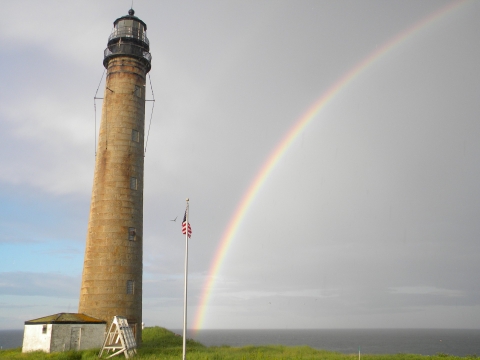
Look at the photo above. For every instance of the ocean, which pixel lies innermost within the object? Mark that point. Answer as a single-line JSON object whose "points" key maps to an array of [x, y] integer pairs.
{"points": [[378, 341], [11, 339]]}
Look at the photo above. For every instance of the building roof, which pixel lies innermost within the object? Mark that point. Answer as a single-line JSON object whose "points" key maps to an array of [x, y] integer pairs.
{"points": [[66, 318]]}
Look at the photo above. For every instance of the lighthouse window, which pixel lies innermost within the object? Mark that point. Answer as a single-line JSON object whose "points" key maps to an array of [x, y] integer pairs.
{"points": [[130, 286], [44, 329], [138, 91], [131, 234], [135, 135], [133, 183]]}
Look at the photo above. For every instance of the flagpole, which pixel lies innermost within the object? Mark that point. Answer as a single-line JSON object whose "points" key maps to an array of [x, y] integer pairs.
{"points": [[185, 288]]}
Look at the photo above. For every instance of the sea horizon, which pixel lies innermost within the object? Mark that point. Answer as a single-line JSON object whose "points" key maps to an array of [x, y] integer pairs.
{"points": [[423, 341]]}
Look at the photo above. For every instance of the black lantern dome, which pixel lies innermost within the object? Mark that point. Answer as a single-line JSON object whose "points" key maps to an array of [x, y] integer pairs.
{"points": [[129, 38]]}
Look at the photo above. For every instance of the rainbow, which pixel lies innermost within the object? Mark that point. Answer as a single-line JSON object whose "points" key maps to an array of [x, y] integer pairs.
{"points": [[299, 126]]}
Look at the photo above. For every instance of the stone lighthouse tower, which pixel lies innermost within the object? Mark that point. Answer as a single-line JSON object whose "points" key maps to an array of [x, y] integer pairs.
{"points": [[112, 270]]}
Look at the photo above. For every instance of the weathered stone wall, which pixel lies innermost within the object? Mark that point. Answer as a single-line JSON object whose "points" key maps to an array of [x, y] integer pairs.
{"points": [[58, 337], [86, 336], [114, 249]]}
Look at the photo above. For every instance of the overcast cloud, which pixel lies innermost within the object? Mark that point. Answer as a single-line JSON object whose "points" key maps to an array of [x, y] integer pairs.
{"points": [[370, 220]]}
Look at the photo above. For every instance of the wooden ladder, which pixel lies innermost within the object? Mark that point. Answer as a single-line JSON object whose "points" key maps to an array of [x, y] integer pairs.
{"points": [[119, 339]]}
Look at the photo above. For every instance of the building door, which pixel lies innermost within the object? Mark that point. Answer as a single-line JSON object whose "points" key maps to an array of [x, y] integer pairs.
{"points": [[75, 334]]}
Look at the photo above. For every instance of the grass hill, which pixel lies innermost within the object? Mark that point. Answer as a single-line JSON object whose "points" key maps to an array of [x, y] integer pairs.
{"points": [[160, 343]]}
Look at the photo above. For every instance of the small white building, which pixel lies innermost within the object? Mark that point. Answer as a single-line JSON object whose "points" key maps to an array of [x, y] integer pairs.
{"points": [[63, 331]]}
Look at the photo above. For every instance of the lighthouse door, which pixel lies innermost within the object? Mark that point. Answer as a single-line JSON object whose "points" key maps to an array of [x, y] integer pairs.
{"points": [[75, 338]]}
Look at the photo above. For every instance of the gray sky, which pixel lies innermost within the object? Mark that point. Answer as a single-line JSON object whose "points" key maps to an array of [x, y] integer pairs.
{"points": [[369, 220]]}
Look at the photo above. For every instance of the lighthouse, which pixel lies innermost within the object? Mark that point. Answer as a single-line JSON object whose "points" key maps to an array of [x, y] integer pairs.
{"points": [[112, 269]]}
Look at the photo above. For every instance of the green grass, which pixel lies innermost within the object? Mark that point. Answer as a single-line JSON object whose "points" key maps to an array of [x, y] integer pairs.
{"points": [[160, 343]]}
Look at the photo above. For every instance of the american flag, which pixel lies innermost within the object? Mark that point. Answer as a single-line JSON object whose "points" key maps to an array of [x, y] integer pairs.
{"points": [[186, 226]]}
